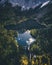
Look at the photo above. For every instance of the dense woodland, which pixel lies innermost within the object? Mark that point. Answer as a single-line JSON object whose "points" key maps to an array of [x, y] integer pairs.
{"points": [[10, 51]]}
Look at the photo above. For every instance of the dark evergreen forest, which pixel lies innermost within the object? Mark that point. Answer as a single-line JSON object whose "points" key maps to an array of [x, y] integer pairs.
{"points": [[12, 19]]}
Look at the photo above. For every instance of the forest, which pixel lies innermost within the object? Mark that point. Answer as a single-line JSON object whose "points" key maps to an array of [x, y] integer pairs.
{"points": [[11, 53]]}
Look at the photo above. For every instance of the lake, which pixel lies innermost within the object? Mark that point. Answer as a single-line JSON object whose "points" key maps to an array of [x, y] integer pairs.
{"points": [[25, 38]]}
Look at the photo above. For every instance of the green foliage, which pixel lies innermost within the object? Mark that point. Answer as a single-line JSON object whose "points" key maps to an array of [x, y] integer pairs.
{"points": [[10, 52], [34, 32], [8, 47]]}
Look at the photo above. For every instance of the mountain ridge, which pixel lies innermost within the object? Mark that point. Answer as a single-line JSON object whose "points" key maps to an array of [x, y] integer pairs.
{"points": [[25, 3]]}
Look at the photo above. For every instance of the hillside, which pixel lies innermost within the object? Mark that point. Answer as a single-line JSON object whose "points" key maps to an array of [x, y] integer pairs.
{"points": [[39, 21]]}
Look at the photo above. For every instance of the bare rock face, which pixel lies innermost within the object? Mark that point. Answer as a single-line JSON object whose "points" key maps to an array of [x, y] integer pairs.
{"points": [[26, 3]]}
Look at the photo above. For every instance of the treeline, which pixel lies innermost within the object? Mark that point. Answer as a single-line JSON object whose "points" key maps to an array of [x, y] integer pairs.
{"points": [[10, 51]]}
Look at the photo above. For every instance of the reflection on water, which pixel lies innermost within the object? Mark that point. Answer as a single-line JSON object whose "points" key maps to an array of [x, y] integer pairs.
{"points": [[25, 38]]}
